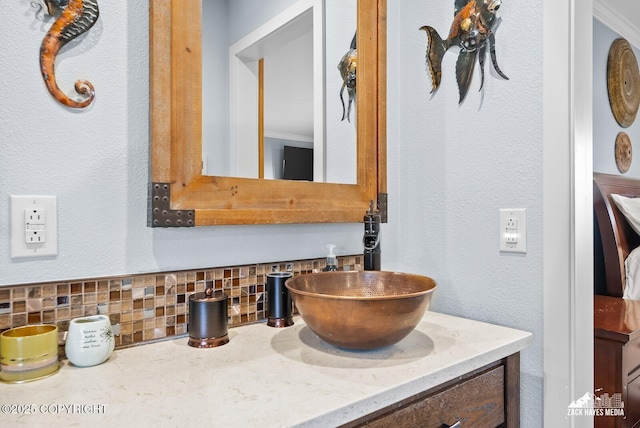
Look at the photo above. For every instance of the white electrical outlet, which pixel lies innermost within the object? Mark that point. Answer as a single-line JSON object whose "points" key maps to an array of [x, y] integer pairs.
{"points": [[34, 216], [34, 228], [513, 230], [35, 236]]}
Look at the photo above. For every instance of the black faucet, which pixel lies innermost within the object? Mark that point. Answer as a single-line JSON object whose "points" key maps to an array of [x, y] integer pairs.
{"points": [[371, 239]]}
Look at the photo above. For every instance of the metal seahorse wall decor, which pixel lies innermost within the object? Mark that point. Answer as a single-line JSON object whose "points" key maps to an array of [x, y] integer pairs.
{"points": [[72, 18], [472, 31]]}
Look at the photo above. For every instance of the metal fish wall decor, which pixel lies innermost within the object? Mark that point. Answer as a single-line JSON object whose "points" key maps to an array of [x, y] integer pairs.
{"points": [[347, 68], [73, 18], [472, 31]]}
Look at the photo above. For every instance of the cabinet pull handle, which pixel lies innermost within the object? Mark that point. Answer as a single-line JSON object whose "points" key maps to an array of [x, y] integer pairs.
{"points": [[456, 425]]}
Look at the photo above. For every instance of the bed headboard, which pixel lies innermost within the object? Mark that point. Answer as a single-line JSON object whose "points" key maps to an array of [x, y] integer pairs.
{"points": [[617, 237]]}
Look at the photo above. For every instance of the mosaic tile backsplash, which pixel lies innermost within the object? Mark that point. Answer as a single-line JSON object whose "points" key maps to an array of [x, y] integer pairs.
{"points": [[147, 307]]}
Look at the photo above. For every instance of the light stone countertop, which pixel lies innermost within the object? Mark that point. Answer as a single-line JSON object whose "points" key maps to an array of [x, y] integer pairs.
{"points": [[264, 377]]}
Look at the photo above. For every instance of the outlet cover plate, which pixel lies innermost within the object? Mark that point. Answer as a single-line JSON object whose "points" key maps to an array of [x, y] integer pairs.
{"points": [[19, 246], [513, 230]]}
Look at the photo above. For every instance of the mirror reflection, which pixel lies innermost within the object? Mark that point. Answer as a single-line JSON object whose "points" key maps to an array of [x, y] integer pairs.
{"points": [[271, 107]]}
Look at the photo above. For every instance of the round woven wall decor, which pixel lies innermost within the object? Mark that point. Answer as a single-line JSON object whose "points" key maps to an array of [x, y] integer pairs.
{"points": [[623, 152], [623, 82]]}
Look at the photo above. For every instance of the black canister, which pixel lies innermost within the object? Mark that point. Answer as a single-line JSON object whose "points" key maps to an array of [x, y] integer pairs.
{"points": [[279, 305], [208, 319]]}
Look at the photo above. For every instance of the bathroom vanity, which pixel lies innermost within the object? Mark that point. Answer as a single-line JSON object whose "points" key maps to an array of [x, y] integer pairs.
{"points": [[448, 369], [486, 397]]}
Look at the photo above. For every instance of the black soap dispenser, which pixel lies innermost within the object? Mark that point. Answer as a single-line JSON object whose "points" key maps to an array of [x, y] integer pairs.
{"points": [[332, 260], [371, 239]]}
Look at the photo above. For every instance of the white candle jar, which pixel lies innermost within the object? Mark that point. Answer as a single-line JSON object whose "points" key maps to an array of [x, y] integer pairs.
{"points": [[89, 341]]}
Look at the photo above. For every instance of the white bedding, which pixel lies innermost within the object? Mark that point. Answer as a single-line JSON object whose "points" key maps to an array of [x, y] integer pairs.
{"points": [[632, 270], [630, 207]]}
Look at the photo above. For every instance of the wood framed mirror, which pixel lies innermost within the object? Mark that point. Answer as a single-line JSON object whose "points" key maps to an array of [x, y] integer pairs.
{"points": [[180, 196]]}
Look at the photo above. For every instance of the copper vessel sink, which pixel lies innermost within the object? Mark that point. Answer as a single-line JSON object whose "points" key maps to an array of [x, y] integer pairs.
{"points": [[361, 309]]}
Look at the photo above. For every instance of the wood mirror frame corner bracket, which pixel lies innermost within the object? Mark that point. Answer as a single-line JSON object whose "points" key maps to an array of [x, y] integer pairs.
{"points": [[179, 195]]}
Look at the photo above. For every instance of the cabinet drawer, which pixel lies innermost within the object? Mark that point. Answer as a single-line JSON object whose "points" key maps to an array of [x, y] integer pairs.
{"points": [[476, 402], [632, 405]]}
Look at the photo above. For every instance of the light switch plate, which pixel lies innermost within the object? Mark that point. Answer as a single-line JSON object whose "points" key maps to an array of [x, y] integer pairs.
{"points": [[47, 228], [513, 230]]}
